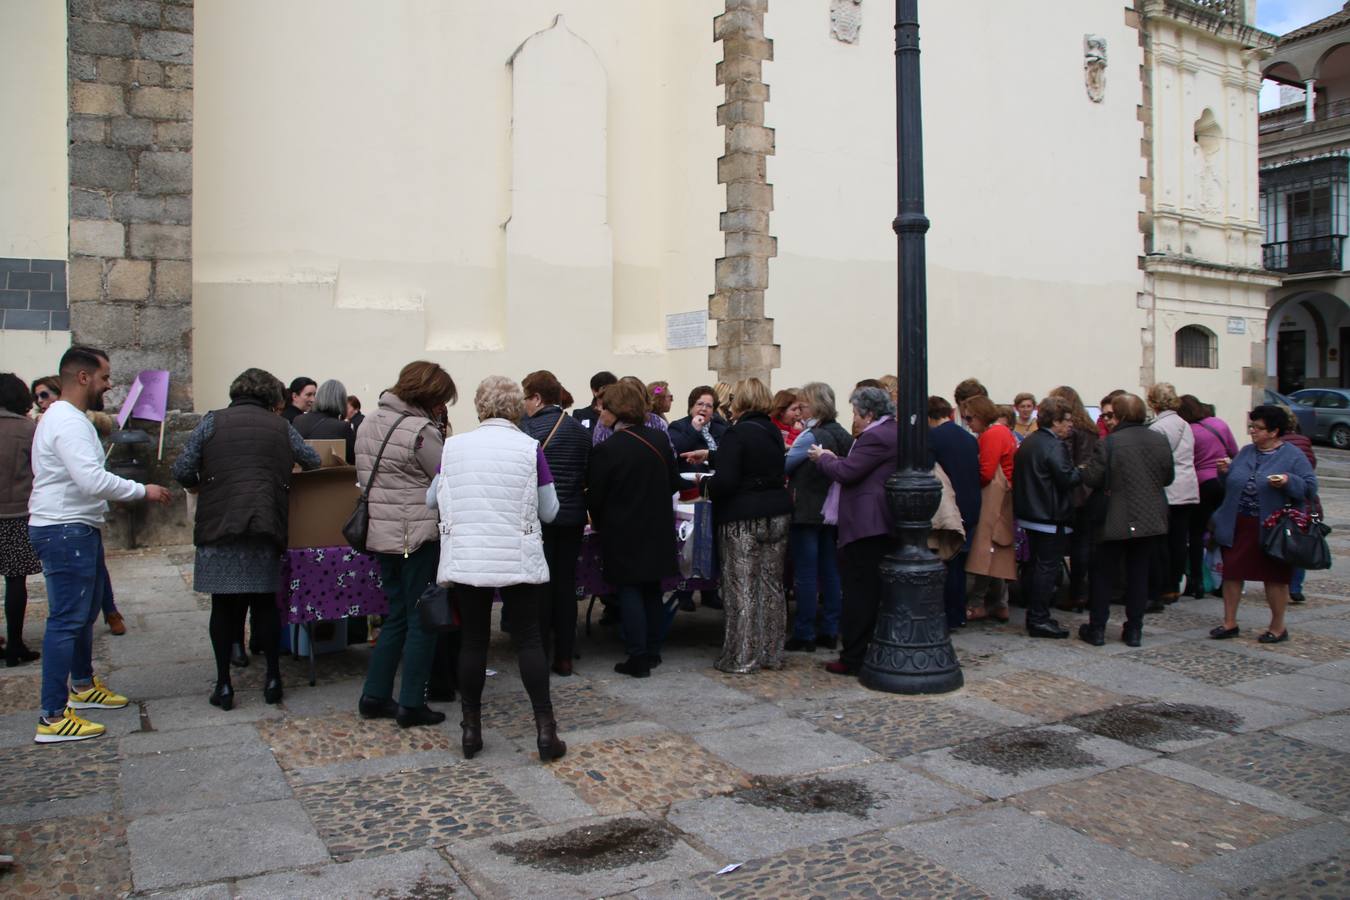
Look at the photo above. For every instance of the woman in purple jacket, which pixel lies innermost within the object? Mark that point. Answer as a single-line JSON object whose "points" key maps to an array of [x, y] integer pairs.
{"points": [[864, 519], [1213, 443]]}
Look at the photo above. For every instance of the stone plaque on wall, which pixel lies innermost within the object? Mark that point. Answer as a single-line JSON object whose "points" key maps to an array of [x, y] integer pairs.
{"points": [[845, 20]]}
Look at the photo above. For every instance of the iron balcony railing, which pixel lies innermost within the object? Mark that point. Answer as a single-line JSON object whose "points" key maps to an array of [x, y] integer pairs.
{"points": [[1228, 9], [1315, 254]]}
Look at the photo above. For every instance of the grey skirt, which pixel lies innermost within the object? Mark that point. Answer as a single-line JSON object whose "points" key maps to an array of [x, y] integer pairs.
{"points": [[239, 566]]}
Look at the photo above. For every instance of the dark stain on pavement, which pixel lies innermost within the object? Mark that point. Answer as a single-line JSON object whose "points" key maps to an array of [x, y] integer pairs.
{"points": [[1019, 752], [613, 845], [811, 795], [1153, 724]]}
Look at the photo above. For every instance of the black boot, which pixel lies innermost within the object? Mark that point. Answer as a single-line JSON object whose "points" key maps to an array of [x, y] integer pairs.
{"points": [[238, 658], [472, 739], [412, 716], [550, 745], [1092, 634], [223, 696], [637, 666], [272, 689], [1131, 634], [17, 655]]}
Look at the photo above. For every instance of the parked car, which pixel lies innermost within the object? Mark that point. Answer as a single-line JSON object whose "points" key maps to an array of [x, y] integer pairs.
{"points": [[1331, 414]]}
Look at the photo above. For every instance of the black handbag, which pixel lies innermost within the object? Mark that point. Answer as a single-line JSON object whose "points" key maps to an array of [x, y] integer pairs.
{"points": [[357, 528], [434, 610], [1297, 537], [1094, 508]]}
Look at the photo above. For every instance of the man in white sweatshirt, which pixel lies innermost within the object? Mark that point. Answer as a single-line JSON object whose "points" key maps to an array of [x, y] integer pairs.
{"points": [[71, 490]]}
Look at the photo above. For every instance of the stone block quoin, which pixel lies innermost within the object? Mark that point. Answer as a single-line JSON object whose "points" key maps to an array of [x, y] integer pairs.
{"points": [[745, 344], [130, 74]]}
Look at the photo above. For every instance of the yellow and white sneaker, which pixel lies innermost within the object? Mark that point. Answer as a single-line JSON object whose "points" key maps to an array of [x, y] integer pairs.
{"points": [[69, 727], [97, 697]]}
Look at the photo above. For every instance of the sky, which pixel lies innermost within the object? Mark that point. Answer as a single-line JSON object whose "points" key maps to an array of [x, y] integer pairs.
{"points": [[1281, 17]]}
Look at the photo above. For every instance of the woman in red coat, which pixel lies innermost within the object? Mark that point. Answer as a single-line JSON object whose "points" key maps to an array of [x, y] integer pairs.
{"points": [[992, 559]]}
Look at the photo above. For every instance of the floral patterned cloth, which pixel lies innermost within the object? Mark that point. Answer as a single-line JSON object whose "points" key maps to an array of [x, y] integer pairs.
{"points": [[325, 583]]}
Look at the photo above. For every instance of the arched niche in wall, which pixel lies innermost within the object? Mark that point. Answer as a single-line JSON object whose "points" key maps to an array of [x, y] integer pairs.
{"points": [[1208, 163], [559, 251]]}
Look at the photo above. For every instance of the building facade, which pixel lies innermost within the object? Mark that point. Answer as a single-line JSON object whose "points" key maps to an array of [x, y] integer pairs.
{"points": [[1305, 205], [333, 188]]}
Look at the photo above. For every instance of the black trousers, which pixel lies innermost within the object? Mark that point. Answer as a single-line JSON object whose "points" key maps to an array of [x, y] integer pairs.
{"points": [[1080, 558], [1040, 575], [1112, 561], [227, 623], [475, 616], [558, 606], [860, 574], [954, 590], [1211, 496], [1169, 552]]}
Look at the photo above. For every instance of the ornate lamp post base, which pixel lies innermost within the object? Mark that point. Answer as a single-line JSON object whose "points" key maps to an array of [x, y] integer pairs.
{"points": [[911, 651]]}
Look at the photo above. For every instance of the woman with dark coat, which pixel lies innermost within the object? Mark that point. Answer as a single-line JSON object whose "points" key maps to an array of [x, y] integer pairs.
{"points": [[1082, 442], [753, 510], [567, 447], [702, 429], [629, 483], [1043, 504], [325, 422], [1132, 467], [812, 543], [1265, 475], [864, 519], [239, 460], [18, 560]]}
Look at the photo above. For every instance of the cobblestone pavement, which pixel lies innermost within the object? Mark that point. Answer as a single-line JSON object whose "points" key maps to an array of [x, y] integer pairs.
{"points": [[1187, 767]]}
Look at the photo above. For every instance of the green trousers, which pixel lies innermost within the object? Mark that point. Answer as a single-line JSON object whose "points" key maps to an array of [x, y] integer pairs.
{"points": [[401, 636]]}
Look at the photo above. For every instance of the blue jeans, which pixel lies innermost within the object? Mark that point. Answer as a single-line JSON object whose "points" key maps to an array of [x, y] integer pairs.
{"points": [[643, 618], [72, 562], [815, 561], [1296, 582]]}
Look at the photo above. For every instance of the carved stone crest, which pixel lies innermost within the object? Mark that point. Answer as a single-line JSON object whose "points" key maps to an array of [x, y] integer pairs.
{"points": [[845, 20], [1094, 66]]}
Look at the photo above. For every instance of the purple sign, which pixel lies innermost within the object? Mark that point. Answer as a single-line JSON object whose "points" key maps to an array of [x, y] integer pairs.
{"points": [[148, 397]]}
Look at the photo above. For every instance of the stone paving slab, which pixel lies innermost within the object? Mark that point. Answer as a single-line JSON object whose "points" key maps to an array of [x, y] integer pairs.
{"points": [[649, 771], [1212, 664], [780, 814], [898, 727], [1309, 692], [415, 875], [803, 677], [209, 777], [211, 844], [192, 711], [1332, 732], [407, 810], [784, 747], [583, 858], [1315, 775], [868, 865], [1011, 853], [1310, 863], [1012, 762], [36, 774], [1168, 821], [1046, 697], [1232, 789], [84, 855], [141, 743], [304, 741], [690, 702]]}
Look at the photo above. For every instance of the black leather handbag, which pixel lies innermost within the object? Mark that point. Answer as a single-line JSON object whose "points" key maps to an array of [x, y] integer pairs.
{"points": [[357, 528], [1297, 537], [434, 610]]}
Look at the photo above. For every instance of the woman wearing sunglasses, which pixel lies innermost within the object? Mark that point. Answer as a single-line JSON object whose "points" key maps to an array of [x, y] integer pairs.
{"points": [[46, 391]]}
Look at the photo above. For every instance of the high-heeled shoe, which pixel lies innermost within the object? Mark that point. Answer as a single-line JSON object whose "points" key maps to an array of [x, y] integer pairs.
{"points": [[223, 696], [272, 690], [551, 746], [472, 739]]}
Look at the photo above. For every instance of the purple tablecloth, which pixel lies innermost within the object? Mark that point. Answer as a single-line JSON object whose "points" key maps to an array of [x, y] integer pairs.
{"points": [[326, 583], [591, 580]]}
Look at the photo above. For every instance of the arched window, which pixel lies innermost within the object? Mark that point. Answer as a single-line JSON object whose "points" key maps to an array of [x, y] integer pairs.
{"points": [[1197, 348]]}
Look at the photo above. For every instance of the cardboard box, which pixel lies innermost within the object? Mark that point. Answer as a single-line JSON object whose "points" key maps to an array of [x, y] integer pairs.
{"points": [[321, 502], [332, 451]]}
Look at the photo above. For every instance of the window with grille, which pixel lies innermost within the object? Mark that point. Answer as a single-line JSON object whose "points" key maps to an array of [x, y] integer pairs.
{"points": [[1197, 348]]}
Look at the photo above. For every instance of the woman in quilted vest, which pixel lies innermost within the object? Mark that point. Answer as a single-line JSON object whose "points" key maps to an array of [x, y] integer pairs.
{"points": [[238, 460], [1133, 468], [403, 535], [1183, 496], [494, 493]]}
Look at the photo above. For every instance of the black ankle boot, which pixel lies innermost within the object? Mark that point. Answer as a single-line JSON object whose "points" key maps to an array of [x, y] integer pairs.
{"points": [[272, 689], [472, 739], [412, 716], [550, 745], [223, 696], [636, 666], [238, 658], [18, 655]]}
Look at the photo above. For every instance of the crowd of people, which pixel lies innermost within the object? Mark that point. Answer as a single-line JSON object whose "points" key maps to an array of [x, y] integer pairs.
{"points": [[1125, 506]]}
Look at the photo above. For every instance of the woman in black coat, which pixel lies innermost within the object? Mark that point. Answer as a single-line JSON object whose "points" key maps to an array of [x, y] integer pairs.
{"points": [[702, 429], [753, 511], [629, 484], [325, 421]]}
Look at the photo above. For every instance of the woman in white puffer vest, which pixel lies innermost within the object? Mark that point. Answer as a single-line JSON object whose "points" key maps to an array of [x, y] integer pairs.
{"points": [[493, 492]]}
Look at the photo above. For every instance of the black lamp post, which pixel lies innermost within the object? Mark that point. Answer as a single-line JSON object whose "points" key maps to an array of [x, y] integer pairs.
{"points": [[911, 651]]}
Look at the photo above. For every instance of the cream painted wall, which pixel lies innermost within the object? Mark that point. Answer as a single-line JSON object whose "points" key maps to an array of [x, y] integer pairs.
{"points": [[33, 160], [353, 177]]}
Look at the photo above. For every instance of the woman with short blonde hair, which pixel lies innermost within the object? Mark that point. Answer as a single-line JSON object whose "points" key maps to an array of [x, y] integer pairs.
{"points": [[498, 397], [1183, 497], [753, 515]]}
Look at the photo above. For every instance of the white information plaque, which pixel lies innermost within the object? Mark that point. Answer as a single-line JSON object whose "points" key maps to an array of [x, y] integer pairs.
{"points": [[687, 329]]}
